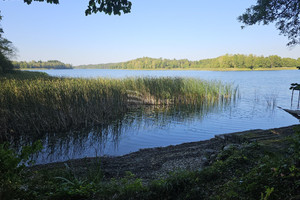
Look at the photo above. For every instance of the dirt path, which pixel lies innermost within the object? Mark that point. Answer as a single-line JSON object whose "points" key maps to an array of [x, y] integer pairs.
{"points": [[157, 162]]}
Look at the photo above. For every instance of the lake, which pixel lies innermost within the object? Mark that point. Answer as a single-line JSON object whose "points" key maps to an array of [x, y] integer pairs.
{"points": [[260, 92]]}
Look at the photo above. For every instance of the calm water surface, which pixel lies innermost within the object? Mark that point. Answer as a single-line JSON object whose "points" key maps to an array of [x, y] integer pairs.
{"points": [[260, 94]]}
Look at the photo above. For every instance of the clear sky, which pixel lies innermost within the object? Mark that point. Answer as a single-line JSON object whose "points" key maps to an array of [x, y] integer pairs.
{"points": [[192, 29]]}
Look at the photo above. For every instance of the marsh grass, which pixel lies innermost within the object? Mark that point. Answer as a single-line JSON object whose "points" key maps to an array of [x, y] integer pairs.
{"points": [[271, 100], [35, 102]]}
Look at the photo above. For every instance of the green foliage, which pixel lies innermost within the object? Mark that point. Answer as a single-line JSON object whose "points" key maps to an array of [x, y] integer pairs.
{"points": [[107, 6], [276, 176], [12, 170], [73, 187], [5, 64], [268, 193], [6, 50], [50, 64], [227, 61], [285, 14], [295, 148]]}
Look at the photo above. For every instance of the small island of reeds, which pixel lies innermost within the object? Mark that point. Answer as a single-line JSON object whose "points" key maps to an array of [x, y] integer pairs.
{"points": [[35, 102]]}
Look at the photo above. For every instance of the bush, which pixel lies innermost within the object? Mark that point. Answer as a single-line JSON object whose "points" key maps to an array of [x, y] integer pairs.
{"points": [[12, 170], [5, 64]]}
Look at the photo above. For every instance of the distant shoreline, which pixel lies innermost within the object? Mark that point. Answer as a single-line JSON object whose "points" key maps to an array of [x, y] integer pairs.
{"points": [[31, 69], [188, 69]]}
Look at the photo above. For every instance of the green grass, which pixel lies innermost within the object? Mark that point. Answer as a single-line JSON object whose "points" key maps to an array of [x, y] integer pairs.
{"points": [[34, 102], [18, 74]]}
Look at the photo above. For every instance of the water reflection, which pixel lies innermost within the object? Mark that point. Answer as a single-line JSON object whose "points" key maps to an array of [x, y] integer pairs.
{"points": [[105, 139]]}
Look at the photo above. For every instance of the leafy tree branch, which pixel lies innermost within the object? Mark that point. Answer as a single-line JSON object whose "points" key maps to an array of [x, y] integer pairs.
{"points": [[285, 15], [115, 7]]}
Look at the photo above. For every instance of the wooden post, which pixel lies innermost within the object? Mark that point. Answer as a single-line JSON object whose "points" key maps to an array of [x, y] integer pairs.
{"points": [[292, 98], [298, 99]]}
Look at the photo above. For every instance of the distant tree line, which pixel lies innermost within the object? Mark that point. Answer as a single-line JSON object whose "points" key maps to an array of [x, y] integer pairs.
{"points": [[97, 66], [50, 64], [227, 61]]}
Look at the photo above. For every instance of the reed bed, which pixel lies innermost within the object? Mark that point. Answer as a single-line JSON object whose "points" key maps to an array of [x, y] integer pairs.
{"points": [[48, 104]]}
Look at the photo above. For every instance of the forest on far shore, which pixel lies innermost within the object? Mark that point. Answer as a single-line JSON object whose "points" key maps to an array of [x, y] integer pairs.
{"points": [[50, 64], [236, 61]]}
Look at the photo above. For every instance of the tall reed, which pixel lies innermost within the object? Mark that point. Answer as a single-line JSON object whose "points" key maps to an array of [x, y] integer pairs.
{"points": [[47, 104]]}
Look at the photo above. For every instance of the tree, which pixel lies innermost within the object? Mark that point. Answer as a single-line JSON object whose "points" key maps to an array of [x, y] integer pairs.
{"points": [[6, 47], [6, 51], [284, 13], [107, 6]]}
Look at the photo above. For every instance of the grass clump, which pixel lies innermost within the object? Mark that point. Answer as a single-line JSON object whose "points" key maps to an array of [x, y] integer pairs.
{"points": [[35, 102]]}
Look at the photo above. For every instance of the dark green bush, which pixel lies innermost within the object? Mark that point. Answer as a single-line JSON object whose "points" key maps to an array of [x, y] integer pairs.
{"points": [[13, 170], [5, 64]]}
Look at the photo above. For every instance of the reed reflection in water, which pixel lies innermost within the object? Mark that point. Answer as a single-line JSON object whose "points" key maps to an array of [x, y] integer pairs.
{"points": [[116, 138]]}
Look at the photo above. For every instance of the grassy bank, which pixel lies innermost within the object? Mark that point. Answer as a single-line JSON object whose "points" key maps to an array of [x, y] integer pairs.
{"points": [[35, 102]]}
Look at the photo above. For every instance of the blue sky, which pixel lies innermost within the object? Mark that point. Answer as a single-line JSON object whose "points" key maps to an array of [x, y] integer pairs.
{"points": [[192, 29]]}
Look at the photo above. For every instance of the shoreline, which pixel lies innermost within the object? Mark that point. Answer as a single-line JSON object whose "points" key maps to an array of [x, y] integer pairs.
{"points": [[152, 163], [182, 69]]}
